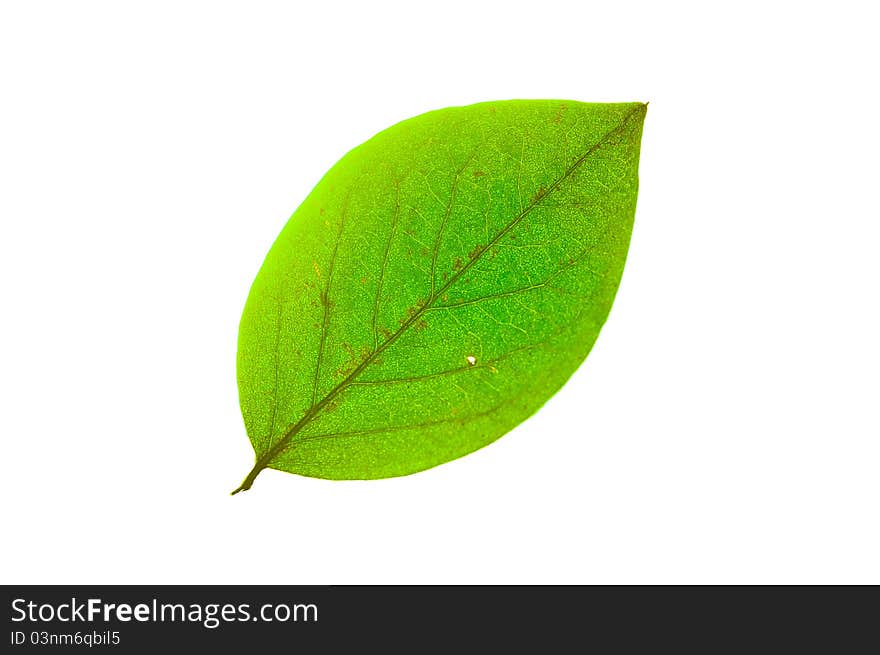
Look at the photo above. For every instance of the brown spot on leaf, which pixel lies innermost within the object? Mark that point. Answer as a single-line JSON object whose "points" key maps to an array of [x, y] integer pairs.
{"points": [[422, 324], [478, 174], [540, 194], [344, 371], [559, 112], [411, 311], [474, 252], [456, 266]]}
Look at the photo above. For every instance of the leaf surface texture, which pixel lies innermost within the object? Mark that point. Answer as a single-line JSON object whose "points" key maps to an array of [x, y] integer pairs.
{"points": [[439, 284]]}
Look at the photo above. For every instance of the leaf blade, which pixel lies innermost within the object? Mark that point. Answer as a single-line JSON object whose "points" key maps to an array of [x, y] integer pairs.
{"points": [[455, 168]]}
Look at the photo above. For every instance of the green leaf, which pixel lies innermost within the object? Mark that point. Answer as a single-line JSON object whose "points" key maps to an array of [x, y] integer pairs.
{"points": [[439, 284]]}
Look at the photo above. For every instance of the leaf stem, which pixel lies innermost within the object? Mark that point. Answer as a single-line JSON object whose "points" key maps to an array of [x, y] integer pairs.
{"points": [[249, 480]]}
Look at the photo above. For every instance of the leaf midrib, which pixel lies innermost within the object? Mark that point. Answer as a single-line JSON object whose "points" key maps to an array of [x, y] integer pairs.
{"points": [[287, 440]]}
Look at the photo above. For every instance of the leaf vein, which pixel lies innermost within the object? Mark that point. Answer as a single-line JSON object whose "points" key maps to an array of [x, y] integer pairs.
{"points": [[385, 265], [325, 301], [439, 238], [274, 415]]}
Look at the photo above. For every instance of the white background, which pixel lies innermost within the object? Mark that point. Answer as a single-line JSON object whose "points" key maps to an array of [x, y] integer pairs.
{"points": [[724, 429]]}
